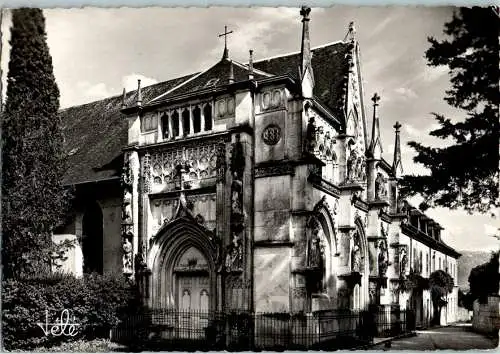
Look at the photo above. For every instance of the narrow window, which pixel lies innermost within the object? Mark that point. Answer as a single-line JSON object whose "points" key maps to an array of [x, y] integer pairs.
{"points": [[164, 126], [185, 121], [175, 124], [207, 112], [197, 120]]}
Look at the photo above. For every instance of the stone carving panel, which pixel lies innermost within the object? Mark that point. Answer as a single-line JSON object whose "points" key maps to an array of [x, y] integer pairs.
{"points": [[320, 137], [203, 206], [197, 163]]}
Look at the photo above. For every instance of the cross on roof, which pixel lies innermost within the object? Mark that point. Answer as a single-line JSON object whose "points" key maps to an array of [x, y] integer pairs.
{"points": [[375, 99], [225, 34], [397, 126]]}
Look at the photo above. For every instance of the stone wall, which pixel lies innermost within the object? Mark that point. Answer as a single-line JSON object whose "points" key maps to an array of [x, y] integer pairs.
{"points": [[486, 317]]}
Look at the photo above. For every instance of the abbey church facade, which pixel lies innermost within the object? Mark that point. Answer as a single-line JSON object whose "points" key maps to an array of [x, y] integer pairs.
{"points": [[254, 186]]}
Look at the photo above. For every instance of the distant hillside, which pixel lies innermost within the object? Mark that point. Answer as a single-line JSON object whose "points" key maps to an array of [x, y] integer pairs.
{"points": [[466, 262]]}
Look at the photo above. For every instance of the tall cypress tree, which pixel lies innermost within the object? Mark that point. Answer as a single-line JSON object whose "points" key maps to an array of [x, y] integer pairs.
{"points": [[33, 162]]}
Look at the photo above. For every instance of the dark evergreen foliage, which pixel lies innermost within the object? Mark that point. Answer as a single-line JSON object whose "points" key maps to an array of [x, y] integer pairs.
{"points": [[465, 173], [484, 279], [33, 198]]}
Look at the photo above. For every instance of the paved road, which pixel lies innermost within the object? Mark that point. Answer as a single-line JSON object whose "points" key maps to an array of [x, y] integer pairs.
{"points": [[452, 337]]}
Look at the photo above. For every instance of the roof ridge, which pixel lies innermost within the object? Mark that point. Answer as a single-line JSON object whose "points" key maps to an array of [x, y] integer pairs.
{"points": [[128, 92], [257, 71], [194, 76], [298, 52]]}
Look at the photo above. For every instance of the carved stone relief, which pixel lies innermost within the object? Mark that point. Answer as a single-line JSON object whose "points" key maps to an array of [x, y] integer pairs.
{"points": [[194, 163], [235, 251], [356, 256], [380, 187], [383, 258]]}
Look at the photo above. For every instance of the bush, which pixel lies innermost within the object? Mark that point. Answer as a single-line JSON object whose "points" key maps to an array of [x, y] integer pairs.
{"points": [[96, 301]]}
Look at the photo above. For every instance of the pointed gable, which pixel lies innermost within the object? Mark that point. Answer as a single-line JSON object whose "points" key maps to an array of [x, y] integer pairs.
{"points": [[330, 66]]}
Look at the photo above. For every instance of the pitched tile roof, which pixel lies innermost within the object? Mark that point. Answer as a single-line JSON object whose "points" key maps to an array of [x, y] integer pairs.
{"points": [[217, 75], [95, 133]]}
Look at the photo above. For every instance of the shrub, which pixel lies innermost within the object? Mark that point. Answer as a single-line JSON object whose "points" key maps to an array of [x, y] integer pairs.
{"points": [[96, 301]]}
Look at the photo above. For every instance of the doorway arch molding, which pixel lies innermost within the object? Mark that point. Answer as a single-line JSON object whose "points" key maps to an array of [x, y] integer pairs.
{"points": [[166, 249]]}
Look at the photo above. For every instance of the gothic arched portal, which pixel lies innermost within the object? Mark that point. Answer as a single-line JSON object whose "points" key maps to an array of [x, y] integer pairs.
{"points": [[184, 258]]}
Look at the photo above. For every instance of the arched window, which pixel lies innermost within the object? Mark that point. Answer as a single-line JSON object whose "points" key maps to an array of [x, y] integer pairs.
{"points": [[197, 120], [185, 122], [207, 113], [175, 124]]}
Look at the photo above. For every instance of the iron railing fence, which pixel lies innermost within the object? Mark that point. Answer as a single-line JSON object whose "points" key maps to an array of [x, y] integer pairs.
{"points": [[393, 321], [172, 329]]}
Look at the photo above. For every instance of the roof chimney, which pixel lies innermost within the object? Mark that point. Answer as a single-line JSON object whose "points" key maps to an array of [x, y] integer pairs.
{"points": [[306, 71], [139, 93], [124, 97], [250, 65]]}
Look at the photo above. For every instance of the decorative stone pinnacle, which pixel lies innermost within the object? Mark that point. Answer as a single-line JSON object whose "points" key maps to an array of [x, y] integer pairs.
{"points": [[375, 99], [304, 12], [250, 64]]}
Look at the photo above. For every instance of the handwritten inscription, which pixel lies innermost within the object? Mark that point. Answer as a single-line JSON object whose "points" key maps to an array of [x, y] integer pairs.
{"points": [[62, 326]]}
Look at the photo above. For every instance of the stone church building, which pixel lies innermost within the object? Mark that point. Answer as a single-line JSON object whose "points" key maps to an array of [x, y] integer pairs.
{"points": [[254, 186]]}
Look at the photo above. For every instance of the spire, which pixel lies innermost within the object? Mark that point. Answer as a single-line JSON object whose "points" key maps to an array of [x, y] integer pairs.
{"points": [[139, 93], [375, 148], [397, 153], [231, 72], [124, 97], [225, 54], [306, 71], [250, 65]]}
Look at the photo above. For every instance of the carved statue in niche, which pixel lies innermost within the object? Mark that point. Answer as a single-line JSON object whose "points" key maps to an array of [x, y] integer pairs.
{"points": [[311, 136], [404, 262], [356, 259], [315, 256], [127, 256], [236, 195], [382, 259], [237, 159], [380, 190], [140, 258], [362, 171], [351, 165], [234, 255]]}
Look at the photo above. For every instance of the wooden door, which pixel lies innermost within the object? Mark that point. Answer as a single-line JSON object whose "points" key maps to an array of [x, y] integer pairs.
{"points": [[193, 304]]}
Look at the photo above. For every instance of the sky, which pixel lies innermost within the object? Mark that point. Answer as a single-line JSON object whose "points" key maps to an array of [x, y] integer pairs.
{"points": [[96, 52]]}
